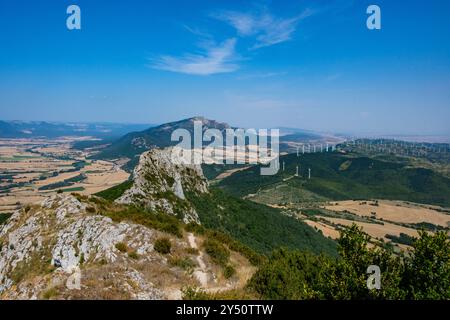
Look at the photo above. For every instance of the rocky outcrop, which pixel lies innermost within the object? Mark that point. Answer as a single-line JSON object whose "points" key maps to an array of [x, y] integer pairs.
{"points": [[67, 248], [49, 245], [161, 182]]}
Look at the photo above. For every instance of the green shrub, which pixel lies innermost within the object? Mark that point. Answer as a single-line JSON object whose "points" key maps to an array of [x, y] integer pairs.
{"points": [[133, 255], [229, 271], [193, 293], [163, 245], [90, 209], [159, 221], [217, 251], [122, 247], [184, 263], [4, 217], [192, 251], [116, 191], [82, 258], [50, 293]]}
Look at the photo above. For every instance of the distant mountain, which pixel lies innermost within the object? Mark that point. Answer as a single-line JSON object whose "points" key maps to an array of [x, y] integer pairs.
{"points": [[285, 131], [292, 139], [135, 143], [35, 129]]}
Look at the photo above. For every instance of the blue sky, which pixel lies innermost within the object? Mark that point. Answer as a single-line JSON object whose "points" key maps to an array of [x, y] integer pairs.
{"points": [[296, 63]]}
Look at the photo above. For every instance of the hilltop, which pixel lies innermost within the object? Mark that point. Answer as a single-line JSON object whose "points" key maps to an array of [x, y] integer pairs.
{"points": [[135, 143], [159, 184]]}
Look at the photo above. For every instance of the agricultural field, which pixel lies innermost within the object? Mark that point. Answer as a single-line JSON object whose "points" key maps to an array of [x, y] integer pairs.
{"points": [[31, 169], [394, 223]]}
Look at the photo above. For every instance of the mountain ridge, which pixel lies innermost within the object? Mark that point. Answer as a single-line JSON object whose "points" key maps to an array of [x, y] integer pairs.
{"points": [[135, 143]]}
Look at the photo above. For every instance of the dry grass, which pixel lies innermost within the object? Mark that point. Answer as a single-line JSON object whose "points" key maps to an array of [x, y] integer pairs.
{"points": [[376, 230], [327, 230], [395, 211]]}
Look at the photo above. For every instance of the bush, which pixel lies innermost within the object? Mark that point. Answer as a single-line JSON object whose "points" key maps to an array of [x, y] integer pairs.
{"points": [[163, 245], [192, 251], [133, 255], [229, 271], [122, 247], [50, 293], [217, 251], [159, 221], [193, 293], [184, 263], [4, 217]]}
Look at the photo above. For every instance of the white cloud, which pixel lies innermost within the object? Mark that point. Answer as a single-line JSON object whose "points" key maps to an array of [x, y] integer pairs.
{"points": [[245, 24], [216, 58], [267, 28]]}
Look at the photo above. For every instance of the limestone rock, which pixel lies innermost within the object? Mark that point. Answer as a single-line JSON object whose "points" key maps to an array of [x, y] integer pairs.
{"points": [[161, 181]]}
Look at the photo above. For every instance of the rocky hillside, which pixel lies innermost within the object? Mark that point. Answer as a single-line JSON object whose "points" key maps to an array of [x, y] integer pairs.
{"points": [[161, 182], [68, 248]]}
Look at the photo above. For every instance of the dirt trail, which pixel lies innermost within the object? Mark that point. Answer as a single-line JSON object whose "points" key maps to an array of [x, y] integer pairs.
{"points": [[204, 275], [201, 273]]}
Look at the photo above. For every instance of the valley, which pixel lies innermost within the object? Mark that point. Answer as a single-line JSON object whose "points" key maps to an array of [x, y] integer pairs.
{"points": [[176, 230], [32, 169], [389, 200]]}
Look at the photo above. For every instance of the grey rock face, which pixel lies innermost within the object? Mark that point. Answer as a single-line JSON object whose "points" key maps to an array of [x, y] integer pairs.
{"points": [[161, 181], [53, 241]]}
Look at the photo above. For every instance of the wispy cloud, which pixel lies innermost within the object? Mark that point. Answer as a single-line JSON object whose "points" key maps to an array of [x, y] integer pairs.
{"points": [[197, 32], [267, 28], [215, 58]]}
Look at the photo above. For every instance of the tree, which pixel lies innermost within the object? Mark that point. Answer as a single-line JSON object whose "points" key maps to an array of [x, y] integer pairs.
{"points": [[422, 273], [427, 267]]}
